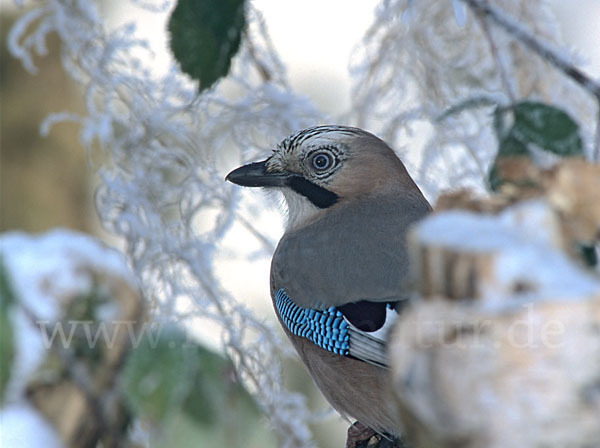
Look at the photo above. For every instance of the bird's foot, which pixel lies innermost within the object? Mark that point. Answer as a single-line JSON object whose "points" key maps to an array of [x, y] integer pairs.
{"points": [[361, 436]]}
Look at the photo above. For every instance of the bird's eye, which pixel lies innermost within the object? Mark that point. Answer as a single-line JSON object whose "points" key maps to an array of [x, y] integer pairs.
{"points": [[322, 161]]}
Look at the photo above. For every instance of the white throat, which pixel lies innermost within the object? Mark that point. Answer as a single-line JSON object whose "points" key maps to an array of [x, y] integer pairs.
{"points": [[299, 209]]}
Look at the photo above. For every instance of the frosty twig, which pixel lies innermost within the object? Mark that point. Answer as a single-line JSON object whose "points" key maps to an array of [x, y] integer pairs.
{"points": [[527, 38]]}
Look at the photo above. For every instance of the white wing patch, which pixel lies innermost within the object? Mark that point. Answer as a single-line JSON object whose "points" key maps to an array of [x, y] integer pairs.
{"points": [[371, 347]]}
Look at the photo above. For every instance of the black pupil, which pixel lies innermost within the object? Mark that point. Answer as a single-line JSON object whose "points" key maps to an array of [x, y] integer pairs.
{"points": [[321, 161]]}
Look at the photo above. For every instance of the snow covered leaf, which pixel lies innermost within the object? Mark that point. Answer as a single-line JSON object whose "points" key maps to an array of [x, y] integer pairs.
{"points": [[205, 35]]}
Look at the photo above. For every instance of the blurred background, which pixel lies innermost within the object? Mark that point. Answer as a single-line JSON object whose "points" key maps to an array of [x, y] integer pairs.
{"points": [[45, 182]]}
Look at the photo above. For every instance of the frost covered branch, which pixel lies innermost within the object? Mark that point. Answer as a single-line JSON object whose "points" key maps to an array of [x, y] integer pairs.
{"points": [[416, 62], [164, 152], [543, 49], [494, 49]]}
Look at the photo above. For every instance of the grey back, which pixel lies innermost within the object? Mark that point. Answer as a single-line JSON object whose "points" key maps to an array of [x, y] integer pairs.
{"points": [[355, 251]]}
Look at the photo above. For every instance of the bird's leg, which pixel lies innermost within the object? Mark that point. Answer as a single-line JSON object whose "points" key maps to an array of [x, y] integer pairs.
{"points": [[361, 436]]}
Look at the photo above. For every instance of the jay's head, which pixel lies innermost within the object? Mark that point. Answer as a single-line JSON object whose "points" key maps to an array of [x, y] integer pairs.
{"points": [[326, 166]]}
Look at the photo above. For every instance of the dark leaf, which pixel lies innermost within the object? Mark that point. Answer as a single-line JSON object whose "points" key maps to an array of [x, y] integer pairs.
{"points": [[532, 123], [158, 375], [494, 179], [6, 331], [509, 147], [205, 35], [500, 127], [589, 255], [547, 127], [174, 375], [7, 296]]}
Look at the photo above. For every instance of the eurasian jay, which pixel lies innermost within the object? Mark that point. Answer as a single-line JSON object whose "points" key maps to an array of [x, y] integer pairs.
{"points": [[340, 270]]}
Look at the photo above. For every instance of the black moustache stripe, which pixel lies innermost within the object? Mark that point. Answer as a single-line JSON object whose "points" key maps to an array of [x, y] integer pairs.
{"points": [[319, 196]]}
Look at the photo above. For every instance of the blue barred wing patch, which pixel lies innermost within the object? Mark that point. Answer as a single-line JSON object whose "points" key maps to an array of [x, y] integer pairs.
{"points": [[326, 328]]}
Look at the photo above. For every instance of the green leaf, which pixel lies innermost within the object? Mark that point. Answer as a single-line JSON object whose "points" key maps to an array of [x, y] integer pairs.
{"points": [[6, 350], [589, 255], [158, 375], [547, 127], [494, 179], [7, 298], [509, 147], [215, 381], [174, 375], [499, 123], [204, 37]]}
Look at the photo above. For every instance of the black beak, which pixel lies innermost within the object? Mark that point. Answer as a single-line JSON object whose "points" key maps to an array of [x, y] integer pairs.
{"points": [[256, 175]]}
